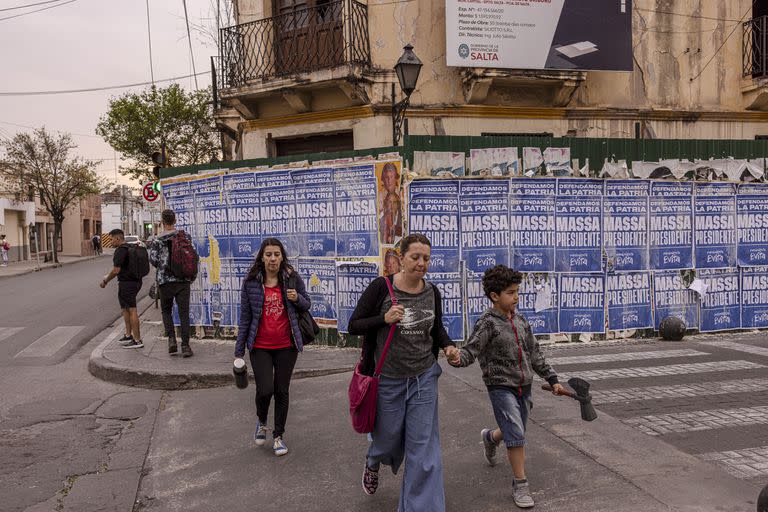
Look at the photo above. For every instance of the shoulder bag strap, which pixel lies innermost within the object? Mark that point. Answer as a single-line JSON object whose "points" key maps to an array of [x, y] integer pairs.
{"points": [[391, 334]]}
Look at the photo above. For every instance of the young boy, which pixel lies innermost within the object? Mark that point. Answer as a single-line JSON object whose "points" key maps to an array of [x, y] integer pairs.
{"points": [[509, 354]]}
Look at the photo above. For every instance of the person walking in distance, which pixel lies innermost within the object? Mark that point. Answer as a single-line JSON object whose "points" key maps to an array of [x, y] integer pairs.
{"points": [[269, 328], [4, 248], [175, 258], [96, 241], [406, 426], [129, 264]]}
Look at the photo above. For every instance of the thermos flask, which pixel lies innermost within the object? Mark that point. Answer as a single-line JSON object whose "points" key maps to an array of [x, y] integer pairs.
{"points": [[240, 370]]}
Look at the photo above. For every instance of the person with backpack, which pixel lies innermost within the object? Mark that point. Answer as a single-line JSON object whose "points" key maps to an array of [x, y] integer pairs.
{"points": [[96, 242], [130, 264], [176, 260]]}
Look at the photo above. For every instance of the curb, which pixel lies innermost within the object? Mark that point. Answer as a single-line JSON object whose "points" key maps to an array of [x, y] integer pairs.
{"points": [[46, 267], [104, 369]]}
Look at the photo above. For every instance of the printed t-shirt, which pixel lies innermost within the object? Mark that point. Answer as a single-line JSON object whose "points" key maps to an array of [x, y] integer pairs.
{"points": [[274, 327]]}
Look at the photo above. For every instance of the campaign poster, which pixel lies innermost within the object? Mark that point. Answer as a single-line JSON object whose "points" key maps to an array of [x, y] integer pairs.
{"points": [[174, 190], [719, 308], [238, 270], [627, 188], [277, 209], [715, 231], [582, 303], [671, 232], [754, 297], [494, 162], [532, 224], [557, 161], [671, 297], [579, 226], [434, 212], [319, 276], [537, 302], [629, 301], [242, 214], [626, 232], [356, 220], [664, 188], [390, 201], [477, 302], [315, 216], [752, 222], [449, 284], [352, 278], [484, 206], [439, 164]]}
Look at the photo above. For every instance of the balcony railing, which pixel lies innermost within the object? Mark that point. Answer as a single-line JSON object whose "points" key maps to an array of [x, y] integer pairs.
{"points": [[754, 48], [320, 37]]}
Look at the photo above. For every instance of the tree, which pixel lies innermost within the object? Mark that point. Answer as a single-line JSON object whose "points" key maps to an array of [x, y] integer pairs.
{"points": [[137, 125], [40, 163]]}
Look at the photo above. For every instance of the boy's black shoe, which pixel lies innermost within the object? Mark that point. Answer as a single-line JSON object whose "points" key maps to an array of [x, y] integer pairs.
{"points": [[172, 347], [134, 344], [186, 351], [126, 340]]}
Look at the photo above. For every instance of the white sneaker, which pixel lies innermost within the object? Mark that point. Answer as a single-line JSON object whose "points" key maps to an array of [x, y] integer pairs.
{"points": [[260, 434], [279, 447]]}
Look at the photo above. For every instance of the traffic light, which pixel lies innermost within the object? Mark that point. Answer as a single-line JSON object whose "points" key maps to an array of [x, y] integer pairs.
{"points": [[160, 159]]}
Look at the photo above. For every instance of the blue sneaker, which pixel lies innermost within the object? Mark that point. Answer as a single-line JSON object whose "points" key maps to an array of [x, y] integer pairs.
{"points": [[260, 434], [279, 447]]}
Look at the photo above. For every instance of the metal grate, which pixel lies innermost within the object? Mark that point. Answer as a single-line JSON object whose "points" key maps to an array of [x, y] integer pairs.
{"points": [[754, 51], [326, 35]]}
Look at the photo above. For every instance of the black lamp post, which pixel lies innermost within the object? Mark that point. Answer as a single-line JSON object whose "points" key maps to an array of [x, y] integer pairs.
{"points": [[407, 68]]}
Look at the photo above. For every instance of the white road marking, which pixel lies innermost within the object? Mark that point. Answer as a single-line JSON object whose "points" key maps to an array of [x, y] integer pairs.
{"points": [[7, 332], [746, 463], [658, 371], [49, 344], [730, 345], [694, 421], [625, 356], [725, 387]]}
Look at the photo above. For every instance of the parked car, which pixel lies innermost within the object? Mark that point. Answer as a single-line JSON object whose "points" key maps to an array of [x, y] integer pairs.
{"points": [[134, 240]]}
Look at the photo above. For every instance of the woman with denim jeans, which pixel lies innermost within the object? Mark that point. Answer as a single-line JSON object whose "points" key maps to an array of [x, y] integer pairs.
{"points": [[406, 426], [269, 329]]}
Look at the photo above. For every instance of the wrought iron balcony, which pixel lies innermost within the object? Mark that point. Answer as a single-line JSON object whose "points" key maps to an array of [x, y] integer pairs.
{"points": [[754, 48], [329, 34]]}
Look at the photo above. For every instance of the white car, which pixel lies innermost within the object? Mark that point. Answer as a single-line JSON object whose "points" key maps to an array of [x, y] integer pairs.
{"points": [[134, 240]]}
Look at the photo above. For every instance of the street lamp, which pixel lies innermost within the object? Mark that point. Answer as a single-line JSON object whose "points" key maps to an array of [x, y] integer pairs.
{"points": [[407, 69]]}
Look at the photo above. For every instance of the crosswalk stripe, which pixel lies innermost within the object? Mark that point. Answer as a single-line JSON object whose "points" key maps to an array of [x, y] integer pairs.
{"points": [[52, 342], [7, 332], [625, 356], [680, 390], [746, 463], [730, 345], [671, 369], [660, 424]]}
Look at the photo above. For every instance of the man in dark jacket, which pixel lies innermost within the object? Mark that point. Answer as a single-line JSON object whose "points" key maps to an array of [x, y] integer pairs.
{"points": [[172, 288]]}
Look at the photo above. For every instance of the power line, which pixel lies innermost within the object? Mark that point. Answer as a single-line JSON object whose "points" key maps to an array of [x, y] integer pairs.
{"points": [[699, 16], [59, 131], [37, 10], [725, 40], [189, 38], [93, 89], [149, 37], [28, 5]]}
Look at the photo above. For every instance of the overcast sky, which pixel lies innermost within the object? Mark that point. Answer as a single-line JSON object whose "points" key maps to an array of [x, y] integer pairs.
{"points": [[93, 43]]}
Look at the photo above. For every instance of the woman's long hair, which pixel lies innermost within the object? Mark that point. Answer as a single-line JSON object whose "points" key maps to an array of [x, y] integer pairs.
{"points": [[258, 269]]}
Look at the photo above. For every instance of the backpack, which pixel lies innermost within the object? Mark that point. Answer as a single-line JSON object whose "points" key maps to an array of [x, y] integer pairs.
{"points": [[138, 262], [182, 257]]}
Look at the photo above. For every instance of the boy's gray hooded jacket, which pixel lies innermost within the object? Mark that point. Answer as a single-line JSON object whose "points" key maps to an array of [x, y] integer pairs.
{"points": [[505, 359]]}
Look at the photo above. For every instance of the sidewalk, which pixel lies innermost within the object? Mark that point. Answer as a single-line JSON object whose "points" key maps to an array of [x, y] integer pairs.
{"points": [[17, 268], [211, 366]]}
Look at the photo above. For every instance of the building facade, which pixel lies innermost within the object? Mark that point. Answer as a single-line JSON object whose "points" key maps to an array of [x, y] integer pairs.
{"points": [[16, 215], [301, 76], [81, 222]]}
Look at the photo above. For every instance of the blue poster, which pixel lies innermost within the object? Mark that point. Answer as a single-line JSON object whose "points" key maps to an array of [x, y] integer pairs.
{"points": [[671, 297], [627, 188], [719, 307], [351, 281], [754, 297], [320, 281], [532, 224], [436, 215], [174, 191], [715, 188], [270, 179], [626, 232], [752, 211], [579, 187], [243, 214], [239, 268], [484, 206], [629, 301], [579, 241], [664, 188], [582, 303], [433, 187], [715, 231], [277, 210], [538, 302], [477, 302], [449, 284], [671, 232], [356, 221], [315, 217]]}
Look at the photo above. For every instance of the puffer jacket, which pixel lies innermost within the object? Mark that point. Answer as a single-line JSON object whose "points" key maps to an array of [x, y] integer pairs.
{"points": [[252, 303], [508, 356], [159, 256]]}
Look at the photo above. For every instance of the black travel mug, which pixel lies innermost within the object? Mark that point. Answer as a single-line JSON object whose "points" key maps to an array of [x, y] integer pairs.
{"points": [[240, 370]]}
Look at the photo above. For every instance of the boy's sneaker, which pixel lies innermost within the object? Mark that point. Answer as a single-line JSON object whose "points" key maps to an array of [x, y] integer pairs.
{"points": [[370, 480], [260, 434], [522, 494], [134, 344], [279, 447], [489, 446], [125, 340]]}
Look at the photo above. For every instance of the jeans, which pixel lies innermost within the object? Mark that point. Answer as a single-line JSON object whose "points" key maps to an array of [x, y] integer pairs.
{"points": [[272, 370], [180, 293], [407, 428], [511, 412]]}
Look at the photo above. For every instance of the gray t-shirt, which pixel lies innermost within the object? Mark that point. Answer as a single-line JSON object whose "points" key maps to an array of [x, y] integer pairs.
{"points": [[410, 352]]}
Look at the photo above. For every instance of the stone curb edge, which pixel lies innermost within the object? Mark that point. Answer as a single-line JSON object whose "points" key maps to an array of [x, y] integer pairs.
{"points": [[47, 267]]}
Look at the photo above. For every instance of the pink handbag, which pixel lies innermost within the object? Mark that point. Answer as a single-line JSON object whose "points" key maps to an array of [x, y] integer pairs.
{"points": [[364, 389]]}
